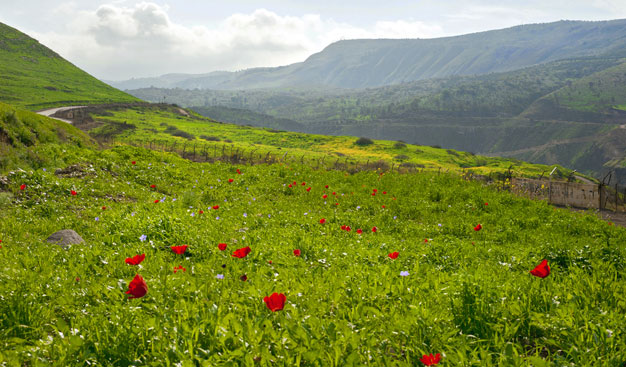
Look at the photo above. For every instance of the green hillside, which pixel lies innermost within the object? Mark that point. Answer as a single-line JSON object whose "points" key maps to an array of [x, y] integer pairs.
{"points": [[497, 114], [166, 126], [34, 77], [596, 97], [23, 131]]}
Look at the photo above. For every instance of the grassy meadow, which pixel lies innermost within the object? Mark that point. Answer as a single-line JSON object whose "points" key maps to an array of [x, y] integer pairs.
{"points": [[160, 125], [452, 290]]}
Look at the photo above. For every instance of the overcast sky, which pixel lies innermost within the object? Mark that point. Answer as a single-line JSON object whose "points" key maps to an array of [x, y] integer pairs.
{"points": [[120, 39]]}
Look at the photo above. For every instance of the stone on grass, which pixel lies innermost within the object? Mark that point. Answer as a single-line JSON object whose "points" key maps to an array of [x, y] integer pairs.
{"points": [[65, 237]]}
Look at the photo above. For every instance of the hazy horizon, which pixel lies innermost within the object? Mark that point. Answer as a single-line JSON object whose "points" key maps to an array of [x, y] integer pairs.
{"points": [[123, 39]]}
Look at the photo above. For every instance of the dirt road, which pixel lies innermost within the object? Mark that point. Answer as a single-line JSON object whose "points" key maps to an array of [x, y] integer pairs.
{"points": [[52, 111]]}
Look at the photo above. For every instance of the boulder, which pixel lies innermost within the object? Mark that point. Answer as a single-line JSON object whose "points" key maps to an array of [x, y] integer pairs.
{"points": [[65, 237]]}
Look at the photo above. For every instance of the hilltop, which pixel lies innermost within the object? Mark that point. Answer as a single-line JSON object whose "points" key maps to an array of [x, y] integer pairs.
{"points": [[34, 77], [373, 63]]}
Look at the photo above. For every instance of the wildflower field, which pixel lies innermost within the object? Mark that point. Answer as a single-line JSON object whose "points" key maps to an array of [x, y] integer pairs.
{"points": [[194, 264]]}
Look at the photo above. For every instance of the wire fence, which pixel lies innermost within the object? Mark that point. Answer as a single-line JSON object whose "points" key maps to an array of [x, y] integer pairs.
{"points": [[603, 196]]}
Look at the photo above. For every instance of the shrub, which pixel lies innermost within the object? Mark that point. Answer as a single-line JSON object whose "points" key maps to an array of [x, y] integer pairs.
{"points": [[401, 157], [364, 141], [183, 134], [210, 138], [399, 145]]}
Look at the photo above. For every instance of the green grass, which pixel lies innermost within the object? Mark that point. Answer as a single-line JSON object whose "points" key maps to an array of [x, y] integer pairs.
{"points": [[469, 294], [35, 77], [151, 122], [21, 131]]}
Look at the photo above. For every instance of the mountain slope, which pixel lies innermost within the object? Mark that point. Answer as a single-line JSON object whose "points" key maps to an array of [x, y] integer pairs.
{"points": [[372, 63], [34, 77]]}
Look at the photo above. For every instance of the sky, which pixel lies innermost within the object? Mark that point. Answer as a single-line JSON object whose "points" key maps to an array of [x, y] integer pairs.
{"points": [[122, 39]]}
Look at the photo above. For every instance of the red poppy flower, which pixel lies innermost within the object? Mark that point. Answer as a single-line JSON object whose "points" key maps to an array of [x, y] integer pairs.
{"points": [[336, 203], [322, 221], [374, 229], [486, 203], [343, 228], [373, 194], [296, 252], [270, 262], [359, 231], [425, 240], [135, 260], [153, 186], [394, 255], [137, 288], [384, 192], [104, 208], [133, 162], [74, 193], [348, 228], [275, 302], [243, 278], [22, 187], [375, 190], [215, 207], [334, 193], [242, 252], [180, 267], [238, 171], [383, 206], [478, 227], [324, 196], [156, 201], [179, 250], [542, 270], [222, 246], [230, 180], [304, 184], [201, 211], [295, 183], [326, 186], [308, 189], [430, 360]]}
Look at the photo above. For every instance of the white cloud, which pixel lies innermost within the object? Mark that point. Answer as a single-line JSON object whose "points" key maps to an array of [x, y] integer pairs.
{"points": [[115, 41]]}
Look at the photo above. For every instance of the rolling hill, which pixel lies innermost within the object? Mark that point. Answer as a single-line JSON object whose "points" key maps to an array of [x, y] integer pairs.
{"points": [[35, 77], [374, 63], [512, 114]]}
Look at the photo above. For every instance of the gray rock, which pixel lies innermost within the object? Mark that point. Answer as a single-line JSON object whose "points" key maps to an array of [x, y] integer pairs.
{"points": [[65, 237]]}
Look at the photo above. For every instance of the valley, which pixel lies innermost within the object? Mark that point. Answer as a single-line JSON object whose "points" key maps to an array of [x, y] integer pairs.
{"points": [[318, 226]]}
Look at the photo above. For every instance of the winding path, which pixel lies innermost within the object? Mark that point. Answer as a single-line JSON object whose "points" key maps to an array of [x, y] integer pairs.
{"points": [[52, 111]]}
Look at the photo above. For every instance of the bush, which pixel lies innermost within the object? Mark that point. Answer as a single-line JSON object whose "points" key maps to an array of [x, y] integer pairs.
{"points": [[183, 134], [399, 145], [364, 141], [401, 157], [210, 138]]}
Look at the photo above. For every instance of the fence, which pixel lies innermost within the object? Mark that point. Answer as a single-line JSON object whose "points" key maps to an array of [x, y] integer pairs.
{"points": [[591, 196]]}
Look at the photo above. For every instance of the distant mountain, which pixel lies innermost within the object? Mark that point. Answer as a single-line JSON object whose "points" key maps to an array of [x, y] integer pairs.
{"points": [[34, 77], [373, 63], [568, 112]]}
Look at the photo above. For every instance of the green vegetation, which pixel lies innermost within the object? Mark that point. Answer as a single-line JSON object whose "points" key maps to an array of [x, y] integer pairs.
{"points": [[151, 126], [512, 114], [21, 131], [468, 294], [34, 77]]}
